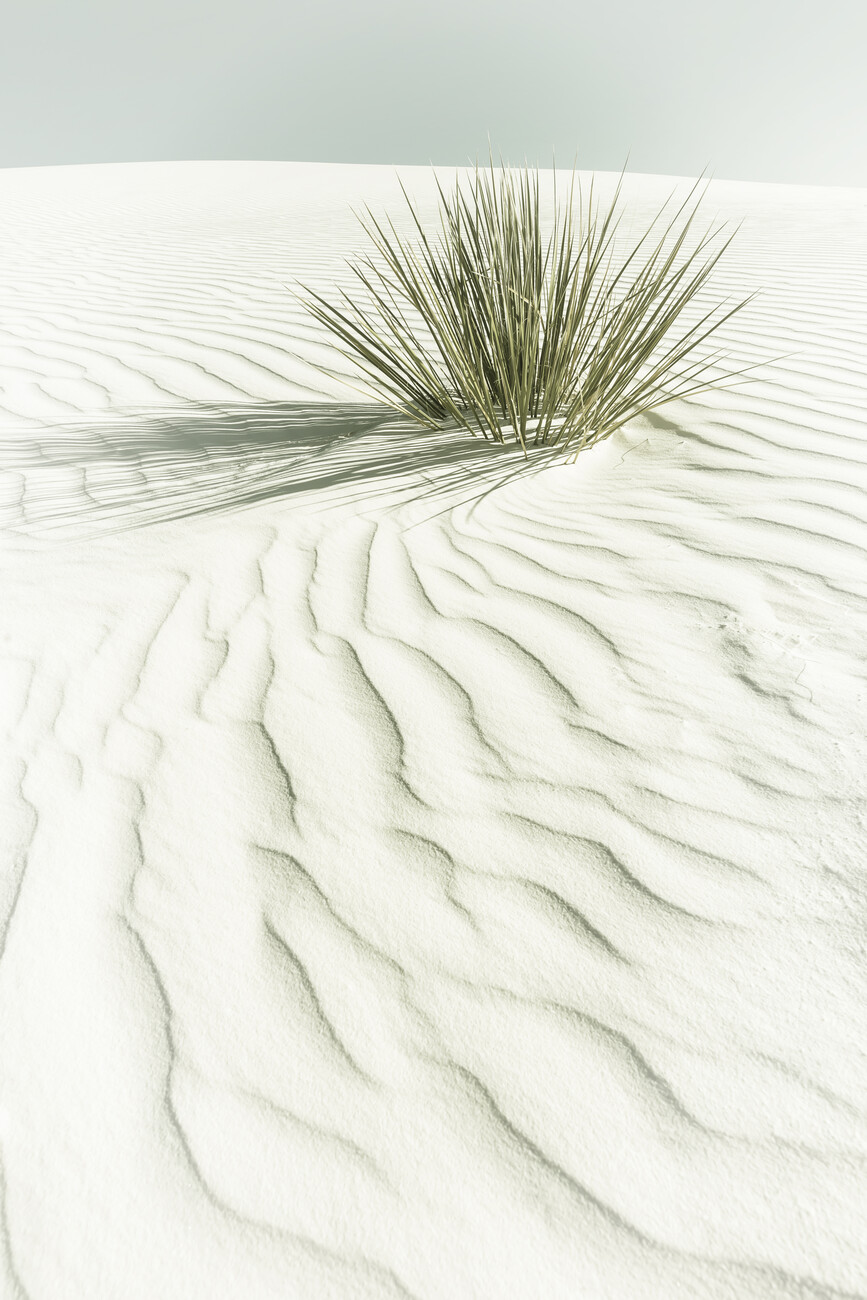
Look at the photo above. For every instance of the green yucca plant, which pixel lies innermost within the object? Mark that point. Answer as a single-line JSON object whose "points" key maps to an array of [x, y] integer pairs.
{"points": [[563, 348]]}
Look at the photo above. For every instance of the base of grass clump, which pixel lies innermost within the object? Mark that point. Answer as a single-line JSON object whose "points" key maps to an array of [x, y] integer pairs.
{"points": [[557, 351]]}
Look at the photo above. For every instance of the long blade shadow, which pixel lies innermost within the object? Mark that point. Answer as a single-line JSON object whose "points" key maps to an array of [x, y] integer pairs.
{"points": [[149, 467]]}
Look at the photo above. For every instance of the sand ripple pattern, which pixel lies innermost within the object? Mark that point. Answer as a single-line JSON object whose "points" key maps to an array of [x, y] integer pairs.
{"points": [[395, 906]]}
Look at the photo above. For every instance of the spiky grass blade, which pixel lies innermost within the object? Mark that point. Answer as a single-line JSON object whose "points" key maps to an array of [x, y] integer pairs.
{"points": [[559, 340]]}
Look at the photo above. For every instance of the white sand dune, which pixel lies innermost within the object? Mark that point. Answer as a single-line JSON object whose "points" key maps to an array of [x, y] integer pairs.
{"points": [[390, 906]]}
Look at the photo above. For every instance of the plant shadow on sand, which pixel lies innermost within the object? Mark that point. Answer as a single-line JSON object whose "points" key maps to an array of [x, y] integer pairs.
{"points": [[80, 480]]}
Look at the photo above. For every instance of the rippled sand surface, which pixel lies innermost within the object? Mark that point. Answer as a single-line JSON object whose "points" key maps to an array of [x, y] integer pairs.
{"points": [[406, 892]]}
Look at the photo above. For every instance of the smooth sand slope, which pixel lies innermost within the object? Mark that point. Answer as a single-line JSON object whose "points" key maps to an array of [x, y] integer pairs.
{"points": [[471, 908]]}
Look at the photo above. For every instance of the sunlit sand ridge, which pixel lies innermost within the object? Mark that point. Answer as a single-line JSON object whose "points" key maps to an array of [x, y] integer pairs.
{"points": [[401, 896]]}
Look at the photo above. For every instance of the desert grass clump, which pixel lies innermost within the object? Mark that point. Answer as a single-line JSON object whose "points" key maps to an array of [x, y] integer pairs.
{"points": [[563, 349]]}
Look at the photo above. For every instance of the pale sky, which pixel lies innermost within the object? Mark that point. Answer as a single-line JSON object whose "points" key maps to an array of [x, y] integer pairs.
{"points": [[766, 90]]}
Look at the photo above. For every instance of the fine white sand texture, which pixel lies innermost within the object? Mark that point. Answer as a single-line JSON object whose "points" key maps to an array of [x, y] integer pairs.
{"points": [[401, 896]]}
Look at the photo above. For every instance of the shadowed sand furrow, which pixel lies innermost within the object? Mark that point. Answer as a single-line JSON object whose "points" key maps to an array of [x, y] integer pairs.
{"points": [[624, 1081], [11, 1280], [362, 1277], [422, 873]]}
